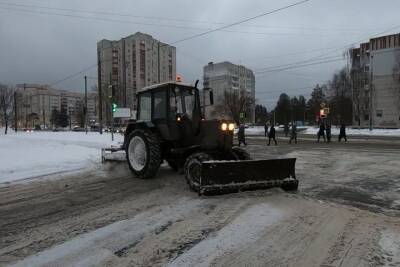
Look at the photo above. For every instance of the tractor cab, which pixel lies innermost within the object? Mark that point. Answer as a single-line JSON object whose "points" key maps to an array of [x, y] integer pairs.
{"points": [[173, 108]]}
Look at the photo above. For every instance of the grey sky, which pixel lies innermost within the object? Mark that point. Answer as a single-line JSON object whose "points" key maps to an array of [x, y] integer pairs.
{"points": [[44, 48]]}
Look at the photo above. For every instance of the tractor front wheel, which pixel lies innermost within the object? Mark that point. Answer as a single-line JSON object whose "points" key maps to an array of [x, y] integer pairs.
{"points": [[192, 169], [143, 153]]}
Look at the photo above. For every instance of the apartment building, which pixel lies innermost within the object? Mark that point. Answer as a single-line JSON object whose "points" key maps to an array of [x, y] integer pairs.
{"points": [[130, 64], [226, 76], [35, 105], [375, 72]]}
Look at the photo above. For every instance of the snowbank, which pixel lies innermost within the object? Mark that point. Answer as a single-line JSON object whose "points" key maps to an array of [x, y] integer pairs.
{"points": [[27, 155]]}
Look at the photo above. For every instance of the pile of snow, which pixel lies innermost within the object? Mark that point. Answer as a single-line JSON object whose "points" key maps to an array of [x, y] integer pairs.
{"points": [[390, 244], [361, 132], [27, 155]]}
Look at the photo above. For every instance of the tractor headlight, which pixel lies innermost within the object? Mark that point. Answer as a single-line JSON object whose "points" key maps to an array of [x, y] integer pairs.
{"points": [[224, 126], [231, 126]]}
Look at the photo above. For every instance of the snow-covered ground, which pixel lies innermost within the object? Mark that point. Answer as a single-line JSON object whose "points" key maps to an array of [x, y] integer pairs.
{"points": [[27, 155], [312, 130]]}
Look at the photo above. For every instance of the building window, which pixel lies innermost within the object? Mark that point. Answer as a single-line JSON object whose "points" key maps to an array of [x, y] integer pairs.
{"points": [[366, 117], [379, 113]]}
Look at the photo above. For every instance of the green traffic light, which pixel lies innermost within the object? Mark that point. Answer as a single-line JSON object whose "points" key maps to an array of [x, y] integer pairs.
{"points": [[114, 107]]}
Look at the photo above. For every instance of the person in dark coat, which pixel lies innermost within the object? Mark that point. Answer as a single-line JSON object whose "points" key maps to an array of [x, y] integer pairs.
{"points": [[241, 135], [266, 129], [321, 132], [293, 134], [286, 129], [271, 135], [342, 133], [328, 133]]}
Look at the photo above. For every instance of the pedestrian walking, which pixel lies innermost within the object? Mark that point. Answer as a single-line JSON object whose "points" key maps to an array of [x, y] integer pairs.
{"points": [[342, 133], [328, 133], [266, 129], [241, 135], [293, 134], [286, 129], [271, 135], [321, 132]]}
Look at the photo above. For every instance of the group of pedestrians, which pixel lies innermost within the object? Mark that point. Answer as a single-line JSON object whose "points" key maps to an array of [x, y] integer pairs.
{"points": [[325, 132], [270, 132]]}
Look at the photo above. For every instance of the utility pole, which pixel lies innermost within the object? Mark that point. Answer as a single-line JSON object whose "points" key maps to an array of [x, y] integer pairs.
{"points": [[99, 87], [85, 108], [26, 109], [70, 114], [15, 112], [370, 93], [158, 62]]}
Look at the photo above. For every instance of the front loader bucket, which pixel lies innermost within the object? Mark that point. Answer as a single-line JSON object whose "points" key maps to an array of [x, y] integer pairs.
{"points": [[232, 176]]}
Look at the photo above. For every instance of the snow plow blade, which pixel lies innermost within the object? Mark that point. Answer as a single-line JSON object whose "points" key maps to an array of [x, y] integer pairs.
{"points": [[218, 177]]}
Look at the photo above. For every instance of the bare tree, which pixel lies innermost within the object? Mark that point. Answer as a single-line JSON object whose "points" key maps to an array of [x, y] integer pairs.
{"points": [[6, 104], [233, 104]]}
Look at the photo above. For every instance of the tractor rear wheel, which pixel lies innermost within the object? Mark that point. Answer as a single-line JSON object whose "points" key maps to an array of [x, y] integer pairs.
{"points": [[240, 154], [143, 153], [192, 169]]}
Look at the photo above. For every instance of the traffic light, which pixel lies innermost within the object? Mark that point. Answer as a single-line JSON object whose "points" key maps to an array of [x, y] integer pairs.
{"points": [[114, 107]]}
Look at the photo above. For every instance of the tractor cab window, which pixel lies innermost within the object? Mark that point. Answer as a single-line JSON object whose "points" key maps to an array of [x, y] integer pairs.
{"points": [[175, 102], [189, 98], [160, 105], [145, 107]]}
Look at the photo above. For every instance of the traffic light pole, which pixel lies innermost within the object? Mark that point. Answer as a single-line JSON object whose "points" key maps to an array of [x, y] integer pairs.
{"points": [[85, 109], [112, 127]]}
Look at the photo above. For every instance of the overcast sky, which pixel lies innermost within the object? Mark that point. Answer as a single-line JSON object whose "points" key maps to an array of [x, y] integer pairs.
{"points": [[40, 44]]}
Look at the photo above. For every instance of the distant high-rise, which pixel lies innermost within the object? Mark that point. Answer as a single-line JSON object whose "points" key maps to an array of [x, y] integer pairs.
{"points": [[225, 76], [375, 73], [130, 64]]}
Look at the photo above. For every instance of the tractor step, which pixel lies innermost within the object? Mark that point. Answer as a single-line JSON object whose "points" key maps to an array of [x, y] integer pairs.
{"points": [[113, 153], [232, 176]]}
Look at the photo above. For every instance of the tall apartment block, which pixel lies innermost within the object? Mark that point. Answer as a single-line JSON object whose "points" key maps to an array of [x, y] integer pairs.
{"points": [[130, 64], [225, 76], [375, 72]]}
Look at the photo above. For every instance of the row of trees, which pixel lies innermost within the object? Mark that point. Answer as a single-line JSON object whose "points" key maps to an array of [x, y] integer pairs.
{"points": [[336, 95], [6, 104]]}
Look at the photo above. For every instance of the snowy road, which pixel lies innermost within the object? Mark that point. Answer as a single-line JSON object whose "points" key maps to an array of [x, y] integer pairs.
{"points": [[346, 213]]}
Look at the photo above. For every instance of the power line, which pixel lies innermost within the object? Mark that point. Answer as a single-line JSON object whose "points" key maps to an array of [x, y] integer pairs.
{"points": [[240, 22], [205, 33], [344, 47], [170, 19], [151, 24], [298, 66], [73, 75], [292, 64]]}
